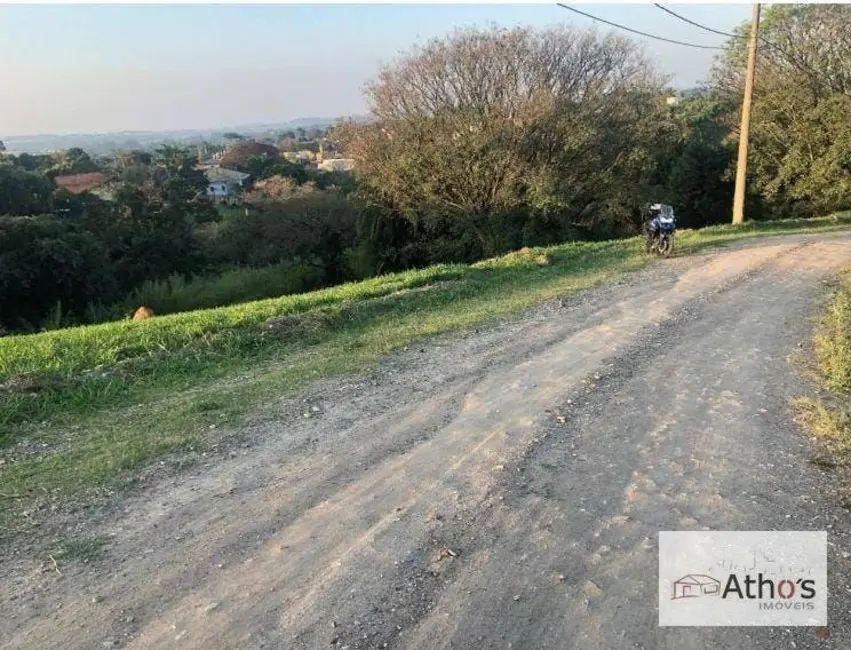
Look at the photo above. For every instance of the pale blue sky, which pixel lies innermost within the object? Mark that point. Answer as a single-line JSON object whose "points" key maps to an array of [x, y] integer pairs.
{"points": [[96, 68]]}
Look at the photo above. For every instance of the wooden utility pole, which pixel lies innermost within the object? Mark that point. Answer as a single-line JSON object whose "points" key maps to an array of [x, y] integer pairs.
{"points": [[741, 167]]}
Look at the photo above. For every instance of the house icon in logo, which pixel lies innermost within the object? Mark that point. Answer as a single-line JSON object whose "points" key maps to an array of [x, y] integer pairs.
{"points": [[694, 585]]}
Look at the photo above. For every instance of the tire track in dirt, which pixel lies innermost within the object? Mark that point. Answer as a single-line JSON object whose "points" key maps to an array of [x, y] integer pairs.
{"points": [[338, 528]]}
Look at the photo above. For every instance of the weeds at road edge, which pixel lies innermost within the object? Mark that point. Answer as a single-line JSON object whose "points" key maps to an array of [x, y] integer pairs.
{"points": [[827, 417]]}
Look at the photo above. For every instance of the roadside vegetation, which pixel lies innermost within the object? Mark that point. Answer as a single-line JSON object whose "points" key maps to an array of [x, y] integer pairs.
{"points": [[84, 409], [827, 417], [544, 142]]}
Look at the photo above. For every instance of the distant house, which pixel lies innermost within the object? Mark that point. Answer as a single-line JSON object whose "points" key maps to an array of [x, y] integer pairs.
{"points": [[337, 165], [225, 184], [79, 183]]}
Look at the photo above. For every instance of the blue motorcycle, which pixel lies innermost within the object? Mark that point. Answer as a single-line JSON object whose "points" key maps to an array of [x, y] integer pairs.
{"points": [[659, 230]]}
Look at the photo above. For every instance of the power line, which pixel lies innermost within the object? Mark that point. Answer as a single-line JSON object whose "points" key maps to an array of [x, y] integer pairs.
{"points": [[691, 22], [635, 31], [786, 55], [812, 72]]}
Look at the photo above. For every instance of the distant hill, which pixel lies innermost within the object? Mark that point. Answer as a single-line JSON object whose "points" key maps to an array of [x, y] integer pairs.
{"points": [[105, 143], [307, 122]]}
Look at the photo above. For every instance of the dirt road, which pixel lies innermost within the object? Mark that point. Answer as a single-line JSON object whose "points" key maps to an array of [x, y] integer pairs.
{"points": [[502, 489]]}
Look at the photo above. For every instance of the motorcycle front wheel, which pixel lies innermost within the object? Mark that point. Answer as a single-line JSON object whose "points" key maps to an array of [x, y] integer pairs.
{"points": [[665, 245]]}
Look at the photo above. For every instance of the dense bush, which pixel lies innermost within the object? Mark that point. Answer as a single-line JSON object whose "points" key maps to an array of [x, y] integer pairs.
{"points": [[23, 192], [47, 265], [176, 293], [149, 238], [244, 156], [314, 228]]}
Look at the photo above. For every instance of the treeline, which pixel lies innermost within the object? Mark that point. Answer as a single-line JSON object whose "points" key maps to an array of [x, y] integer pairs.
{"points": [[495, 139], [482, 142], [148, 234], [800, 140]]}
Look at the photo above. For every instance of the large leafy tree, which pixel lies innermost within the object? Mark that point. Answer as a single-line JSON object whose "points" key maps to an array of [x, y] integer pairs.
{"points": [[71, 161], [172, 163], [800, 153], [131, 167], [23, 192], [44, 263], [694, 161], [483, 126], [242, 155], [151, 236]]}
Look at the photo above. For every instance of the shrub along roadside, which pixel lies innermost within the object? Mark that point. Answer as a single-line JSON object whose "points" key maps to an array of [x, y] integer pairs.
{"points": [[106, 400]]}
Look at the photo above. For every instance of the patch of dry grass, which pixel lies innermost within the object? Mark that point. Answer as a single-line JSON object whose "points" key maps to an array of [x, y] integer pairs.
{"points": [[830, 426], [833, 340], [827, 417]]}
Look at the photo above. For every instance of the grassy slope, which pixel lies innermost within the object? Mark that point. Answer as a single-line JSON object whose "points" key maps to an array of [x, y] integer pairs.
{"points": [[828, 416], [84, 408]]}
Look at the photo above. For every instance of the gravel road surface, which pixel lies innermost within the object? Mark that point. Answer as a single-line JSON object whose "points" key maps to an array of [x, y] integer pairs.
{"points": [[497, 489]]}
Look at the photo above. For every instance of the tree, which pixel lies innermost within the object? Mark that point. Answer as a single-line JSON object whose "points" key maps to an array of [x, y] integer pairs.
{"points": [[71, 161], [800, 133], [152, 235], [31, 163], [277, 189], [45, 262], [694, 160], [23, 192], [149, 228], [488, 127], [2, 147], [310, 227], [241, 156], [131, 166], [176, 162]]}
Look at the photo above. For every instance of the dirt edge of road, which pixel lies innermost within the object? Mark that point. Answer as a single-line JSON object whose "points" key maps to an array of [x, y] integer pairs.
{"points": [[445, 375]]}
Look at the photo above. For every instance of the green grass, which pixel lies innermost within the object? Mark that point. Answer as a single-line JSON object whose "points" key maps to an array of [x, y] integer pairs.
{"points": [[230, 211], [176, 294], [827, 417], [82, 410], [85, 550], [833, 340]]}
